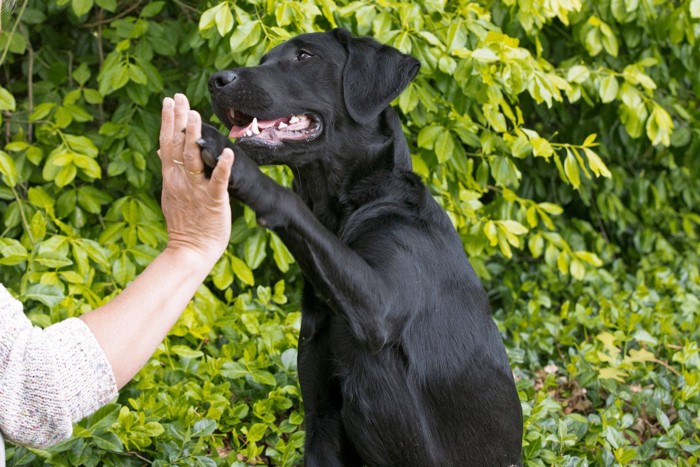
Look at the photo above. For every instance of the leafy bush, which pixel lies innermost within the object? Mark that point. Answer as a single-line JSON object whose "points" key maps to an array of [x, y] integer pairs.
{"points": [[561, 137]]}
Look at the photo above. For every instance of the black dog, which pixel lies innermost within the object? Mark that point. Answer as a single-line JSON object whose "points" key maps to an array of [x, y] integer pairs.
{"points": [[400, 362]]}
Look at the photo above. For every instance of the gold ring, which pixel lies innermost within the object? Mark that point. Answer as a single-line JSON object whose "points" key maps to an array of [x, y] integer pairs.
{"points": [[195, 173], [175, 161]]}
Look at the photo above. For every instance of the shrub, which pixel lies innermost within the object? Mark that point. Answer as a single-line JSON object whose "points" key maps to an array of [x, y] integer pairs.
{"points": [[560, 136]]}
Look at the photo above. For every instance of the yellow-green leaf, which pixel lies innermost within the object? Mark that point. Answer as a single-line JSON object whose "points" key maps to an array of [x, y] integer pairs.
{"points": [[242, 271], [572, 170], [8, 169], [608, 89], [612, 373], [7, 100], [641, 355]]}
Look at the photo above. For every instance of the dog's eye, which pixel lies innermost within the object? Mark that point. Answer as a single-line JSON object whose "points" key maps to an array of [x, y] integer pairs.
{"points": [[303, 55]]}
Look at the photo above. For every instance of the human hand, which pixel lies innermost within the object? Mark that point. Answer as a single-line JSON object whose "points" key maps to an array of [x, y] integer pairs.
{"points": [[196, 209]]}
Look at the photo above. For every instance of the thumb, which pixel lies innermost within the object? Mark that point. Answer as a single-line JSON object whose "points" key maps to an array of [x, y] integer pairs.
{"points": [[218, 186]]}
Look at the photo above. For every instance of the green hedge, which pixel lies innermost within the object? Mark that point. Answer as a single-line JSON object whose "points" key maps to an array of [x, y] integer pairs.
{"points": [[561, 136]]}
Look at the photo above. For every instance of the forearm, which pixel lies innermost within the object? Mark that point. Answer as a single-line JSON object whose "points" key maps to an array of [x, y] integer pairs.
{"points": [[131, 326]]}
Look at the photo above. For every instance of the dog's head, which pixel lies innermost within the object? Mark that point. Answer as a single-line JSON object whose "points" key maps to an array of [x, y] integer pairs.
{"points": [[309, 95]]}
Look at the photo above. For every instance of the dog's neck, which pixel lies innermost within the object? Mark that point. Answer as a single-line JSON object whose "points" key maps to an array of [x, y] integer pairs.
{"points": [[384, 149]]}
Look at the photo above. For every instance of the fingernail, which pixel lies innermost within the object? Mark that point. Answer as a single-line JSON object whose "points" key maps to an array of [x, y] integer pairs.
{"points": [[168, 103], [193, 114]]}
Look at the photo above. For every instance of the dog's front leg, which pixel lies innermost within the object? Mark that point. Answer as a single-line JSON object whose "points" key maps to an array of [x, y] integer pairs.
{"points": [[340, 276]]}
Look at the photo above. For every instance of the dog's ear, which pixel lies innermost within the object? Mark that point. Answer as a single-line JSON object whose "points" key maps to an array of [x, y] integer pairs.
{"points": [[373, 76]]}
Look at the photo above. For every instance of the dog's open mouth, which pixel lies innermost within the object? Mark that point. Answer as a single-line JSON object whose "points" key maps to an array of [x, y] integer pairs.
{"points": [[300, 127]]}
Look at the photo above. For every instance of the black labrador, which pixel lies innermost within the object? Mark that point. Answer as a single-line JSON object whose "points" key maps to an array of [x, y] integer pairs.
{"points": [[400, 362]]}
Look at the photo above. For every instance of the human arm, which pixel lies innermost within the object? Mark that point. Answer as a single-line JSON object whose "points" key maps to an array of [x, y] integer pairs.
{"points": [[53, 377], [198, 216]]}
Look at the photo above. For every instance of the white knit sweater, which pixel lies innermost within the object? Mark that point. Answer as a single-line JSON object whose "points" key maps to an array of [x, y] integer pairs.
{"points": [[49, 378]]}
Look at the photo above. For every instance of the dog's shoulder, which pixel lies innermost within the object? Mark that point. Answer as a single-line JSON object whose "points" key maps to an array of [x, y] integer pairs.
{"points": [[398, 189], [390, 199]]}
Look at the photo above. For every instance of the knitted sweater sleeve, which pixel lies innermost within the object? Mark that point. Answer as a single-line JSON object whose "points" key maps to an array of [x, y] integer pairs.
{"points": [[49, 378]]}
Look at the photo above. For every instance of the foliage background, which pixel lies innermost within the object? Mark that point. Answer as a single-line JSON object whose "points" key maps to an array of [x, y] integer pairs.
{"points": [[562, 137]]}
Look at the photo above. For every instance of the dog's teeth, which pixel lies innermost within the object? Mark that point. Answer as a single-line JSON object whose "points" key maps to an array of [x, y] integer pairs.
{"points": [[248, 133], [294, 119], [282, 125], [254, 127]]}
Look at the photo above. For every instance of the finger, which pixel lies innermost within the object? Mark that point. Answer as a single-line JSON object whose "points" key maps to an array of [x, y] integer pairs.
{"points": [[218, 185], [191, 155], [182, 109], [167, 120]]}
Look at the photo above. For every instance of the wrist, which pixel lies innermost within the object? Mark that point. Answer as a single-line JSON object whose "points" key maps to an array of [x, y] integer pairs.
{"points": [[194, 257]]}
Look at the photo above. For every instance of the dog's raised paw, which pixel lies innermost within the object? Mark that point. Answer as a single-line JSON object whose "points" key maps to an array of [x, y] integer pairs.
{"points": [[211, 145]]}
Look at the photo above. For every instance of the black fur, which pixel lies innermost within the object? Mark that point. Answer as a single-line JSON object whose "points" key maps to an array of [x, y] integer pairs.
{"points": [[400, 362]]}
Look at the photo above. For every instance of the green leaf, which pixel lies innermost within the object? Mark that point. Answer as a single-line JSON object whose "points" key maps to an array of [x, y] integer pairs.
{"points": [[572, 170], [81, 7], [536, 245], [233, 370], [254, 249], [8, 169], [40, 198], [65, 175], [89, 166], [222, 273], [12, 252], [577, 269], [588, 257], [245, 36], [52, 259], [609, 40], [456, 35], [109, 5], [593, 41], [208, 18], [659, 126], [41, 111], [514, 227], [578, 74], [283, 258], [186, 352], [663, 420], [608, 89], [224, 20], [485, 55], [541, 147], [203, 427], [152, 9], [7, 100], [256, 432], [264, 377], [49, 295], [612, 373], [504, 171], [444, 147], [242, 271], [428, 135]]}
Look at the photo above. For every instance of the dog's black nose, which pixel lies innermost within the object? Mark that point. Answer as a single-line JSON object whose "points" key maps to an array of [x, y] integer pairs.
{"points": [[220, 79]]}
